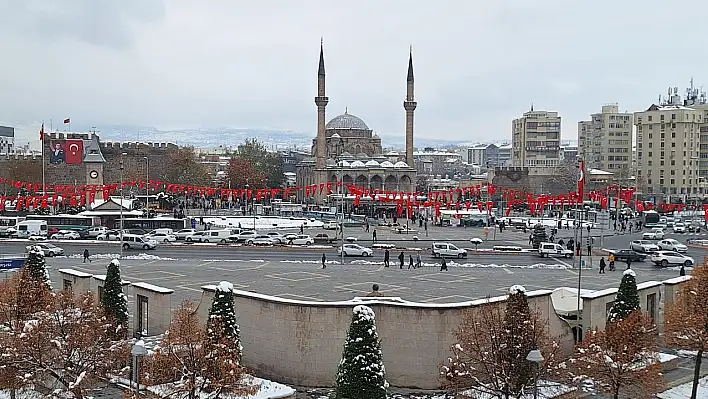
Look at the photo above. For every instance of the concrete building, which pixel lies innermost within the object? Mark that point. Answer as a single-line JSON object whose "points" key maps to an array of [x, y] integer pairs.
{"points": [[7, 140], [431, 161], [605, 141], [485, 155], [569, 154], [670, 143], [535, 140], [504, 155]]}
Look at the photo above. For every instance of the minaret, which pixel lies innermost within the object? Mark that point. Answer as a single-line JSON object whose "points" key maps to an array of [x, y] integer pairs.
{"points": [[321, 101], [409, 105]]}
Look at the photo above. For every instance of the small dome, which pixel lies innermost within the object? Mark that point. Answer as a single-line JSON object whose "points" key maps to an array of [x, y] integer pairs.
{"points": [[330, 162], [386, 164], [372, 163], [346, 121], [346, 154], [344, 164], [400, 164], [357, 164], [361, 155]]}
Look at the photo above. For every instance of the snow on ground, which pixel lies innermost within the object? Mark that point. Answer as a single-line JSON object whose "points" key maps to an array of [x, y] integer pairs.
{"points": [[263, 222], [267, 390], [683, 391], [546, 390], [23, 394], [455, 264], [140, 256]]}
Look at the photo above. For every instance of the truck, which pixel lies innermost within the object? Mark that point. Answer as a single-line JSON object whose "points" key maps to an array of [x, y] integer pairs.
{"points": [[547, 249], [29, 228]]}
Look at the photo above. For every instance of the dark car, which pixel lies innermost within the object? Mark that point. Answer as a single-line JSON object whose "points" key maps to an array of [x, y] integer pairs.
{"points": [[621, 255], [324, 238], [139, 232], [83, 232]]}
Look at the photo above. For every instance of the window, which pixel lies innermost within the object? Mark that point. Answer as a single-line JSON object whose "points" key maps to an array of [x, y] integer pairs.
{"points": [[649, 118], [661, 117], [673, 116], [673, 135]]}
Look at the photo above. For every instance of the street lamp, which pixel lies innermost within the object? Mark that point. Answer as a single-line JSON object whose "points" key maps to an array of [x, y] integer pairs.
{"points": [[340, 190], [536, 357], [147, 179], [138, 351], [121, 203]]}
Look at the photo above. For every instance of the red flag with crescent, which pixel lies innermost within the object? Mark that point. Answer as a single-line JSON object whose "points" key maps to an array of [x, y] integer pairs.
{"points": [[74, 152], [581, 183]]}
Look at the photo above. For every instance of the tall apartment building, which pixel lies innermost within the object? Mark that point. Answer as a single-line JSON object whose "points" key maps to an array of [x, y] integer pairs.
{"points": [[485, 155], [605, 141], [535, 141], [7, 140], [672, 145]]}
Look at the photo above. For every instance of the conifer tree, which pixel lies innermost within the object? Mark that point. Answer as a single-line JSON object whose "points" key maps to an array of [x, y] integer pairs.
{"points": [[223, 335], [37, 267], [539, 235], [361, 372], [114, 301], [519, 338], [627, 299]]}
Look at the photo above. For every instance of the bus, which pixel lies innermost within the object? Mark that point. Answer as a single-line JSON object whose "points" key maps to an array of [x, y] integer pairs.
{"points": [[150, 224], [8, 225], [650, 218], [67, 222]]}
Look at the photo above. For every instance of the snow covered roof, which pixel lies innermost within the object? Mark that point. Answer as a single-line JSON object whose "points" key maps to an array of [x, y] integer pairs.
{"points": [[598, 172], [357, 164], [372, 163], [386, 164], [565, 300], [126, 203], [400, 164]]}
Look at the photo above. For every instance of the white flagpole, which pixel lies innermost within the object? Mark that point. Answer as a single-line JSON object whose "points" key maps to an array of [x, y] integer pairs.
{"points": [[44, 191]]}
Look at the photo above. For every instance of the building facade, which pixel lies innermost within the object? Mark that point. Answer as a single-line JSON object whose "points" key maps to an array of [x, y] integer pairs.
{"points": [[484, 155], [605, 141], [347, 150], [536, 141], [7, 140]]}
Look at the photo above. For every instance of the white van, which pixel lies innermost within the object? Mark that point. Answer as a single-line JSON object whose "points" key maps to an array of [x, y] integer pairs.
{"points": [[166, 232], [221, 236], [331, 225], [28, 228], [96, 231], [133, 241], [447, 250]]}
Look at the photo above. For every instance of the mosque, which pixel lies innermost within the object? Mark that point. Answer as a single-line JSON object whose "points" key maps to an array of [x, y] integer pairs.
{"points": [[347, 149]]}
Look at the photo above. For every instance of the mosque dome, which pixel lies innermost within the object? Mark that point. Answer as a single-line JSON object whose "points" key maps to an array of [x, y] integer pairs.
{"points": [[386, 164], [372, 163], [330, 162], [346, 121], [344, 164], [400, 164], [357, 164]]}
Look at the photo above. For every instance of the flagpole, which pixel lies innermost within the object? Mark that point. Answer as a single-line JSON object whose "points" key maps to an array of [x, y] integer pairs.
{"points": [[41, 144]]}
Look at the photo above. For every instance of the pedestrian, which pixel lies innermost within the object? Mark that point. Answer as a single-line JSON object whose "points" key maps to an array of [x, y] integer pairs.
{"points": [[443, 265], [561, 242], [589, 249], [630, 228], [611, 259], [374, 235], [386, 258], [419, 261], [367, 227], [682, 271], [530, 239], [410, 262], [302, 228], [401, 258], [375, 291], [324, 260], [602, 265], [86, 256], [629, 263]]}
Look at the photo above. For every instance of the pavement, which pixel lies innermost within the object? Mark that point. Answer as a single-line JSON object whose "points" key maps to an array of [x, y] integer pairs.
{"points": [[296, 273]]}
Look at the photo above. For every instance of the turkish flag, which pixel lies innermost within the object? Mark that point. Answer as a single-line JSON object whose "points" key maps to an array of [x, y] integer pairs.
{"points": [[74, 152]]}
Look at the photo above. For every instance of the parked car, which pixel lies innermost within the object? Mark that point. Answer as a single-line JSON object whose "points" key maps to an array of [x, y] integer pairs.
{"points": [[302, 239], [549, 249], [132, 241], [196, 237], [665, 258], [290, 236], [446, 250], [65, 235], [261, 240], [679, 228], [184, 233], [244, 236], [694, 227], [654, 234], [277, 238], [670, 244], [52, 230], [624, 254], [137, 232], [645, 246], [331, 225], [95, 231], [161, 237], [218, 236], [324, 238], [355, 250], [48, 249]]}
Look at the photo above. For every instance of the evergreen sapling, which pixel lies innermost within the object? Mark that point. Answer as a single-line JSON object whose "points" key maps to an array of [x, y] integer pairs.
{"points": [[37, 267], [519, 339], [627, 299], [223, 333], [114, 301], [361, 372]]}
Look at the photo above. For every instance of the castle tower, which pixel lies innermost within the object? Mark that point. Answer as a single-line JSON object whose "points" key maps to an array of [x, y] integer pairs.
{"points": [[321, 101], [409, 105]]}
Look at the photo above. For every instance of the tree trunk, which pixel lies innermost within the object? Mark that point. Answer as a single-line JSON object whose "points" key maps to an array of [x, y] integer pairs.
{"points": [[13, 394], [697, 373], [617, 393]]}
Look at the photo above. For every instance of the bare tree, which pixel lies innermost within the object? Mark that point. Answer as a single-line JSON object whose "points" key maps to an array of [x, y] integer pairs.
{"points": [[686, 320], [622, 360]]}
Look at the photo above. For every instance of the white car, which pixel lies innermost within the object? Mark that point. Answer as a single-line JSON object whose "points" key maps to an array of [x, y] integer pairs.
{"points": [[665, 258], [672, 245], [95, 231], [548, 249], [161, 237], [446, 249], [37, 238], [196, 237], [302, 239], [330, 225], [355, 250], [262, 240], [654, 234], [679, 227], [48, 249], [65, 235], [184, 233], [277, 238], [247, 236], [643, 246]]}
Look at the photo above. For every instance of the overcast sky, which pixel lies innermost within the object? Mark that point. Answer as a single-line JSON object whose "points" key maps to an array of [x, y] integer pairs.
{"points": [[478, 64]]}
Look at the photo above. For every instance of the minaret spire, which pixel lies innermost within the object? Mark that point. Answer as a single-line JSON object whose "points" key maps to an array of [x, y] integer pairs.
{"points": [[409, 105], [321, 69], [410, 65], [321, 101]]}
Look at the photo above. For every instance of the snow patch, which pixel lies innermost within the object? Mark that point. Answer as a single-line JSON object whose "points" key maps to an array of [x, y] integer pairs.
{"points": [[629, 272], [364, 312], [225, 286], [517, 289], [683, 391], [115, 262], [140, 256]]}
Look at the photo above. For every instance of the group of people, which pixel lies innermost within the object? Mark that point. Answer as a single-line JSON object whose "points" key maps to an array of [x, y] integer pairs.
{"points": [[412, 264]]}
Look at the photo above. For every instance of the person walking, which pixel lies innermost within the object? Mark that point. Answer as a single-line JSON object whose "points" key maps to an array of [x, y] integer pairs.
{"points": [[410, 262], [86, 256], [611, 259], [324, 260], [443, 265], [629, 263], [386, 258], [375, 291], [682, 271], [602, 265], [419, 261], [374, 235], [302, 228], [530, 239], [401, 258]]}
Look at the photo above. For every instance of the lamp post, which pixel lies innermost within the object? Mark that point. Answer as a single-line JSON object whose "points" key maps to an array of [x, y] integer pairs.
{"points": [[147, 178], [340, 191], [536, 357], [138, 351], [121, 203]]}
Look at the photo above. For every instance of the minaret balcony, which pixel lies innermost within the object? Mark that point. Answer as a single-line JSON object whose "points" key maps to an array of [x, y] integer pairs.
{"points": [[410, 105], [321, 101]]}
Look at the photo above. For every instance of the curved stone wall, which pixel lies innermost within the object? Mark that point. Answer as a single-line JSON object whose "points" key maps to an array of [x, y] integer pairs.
{"points": [[300, 342]]}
